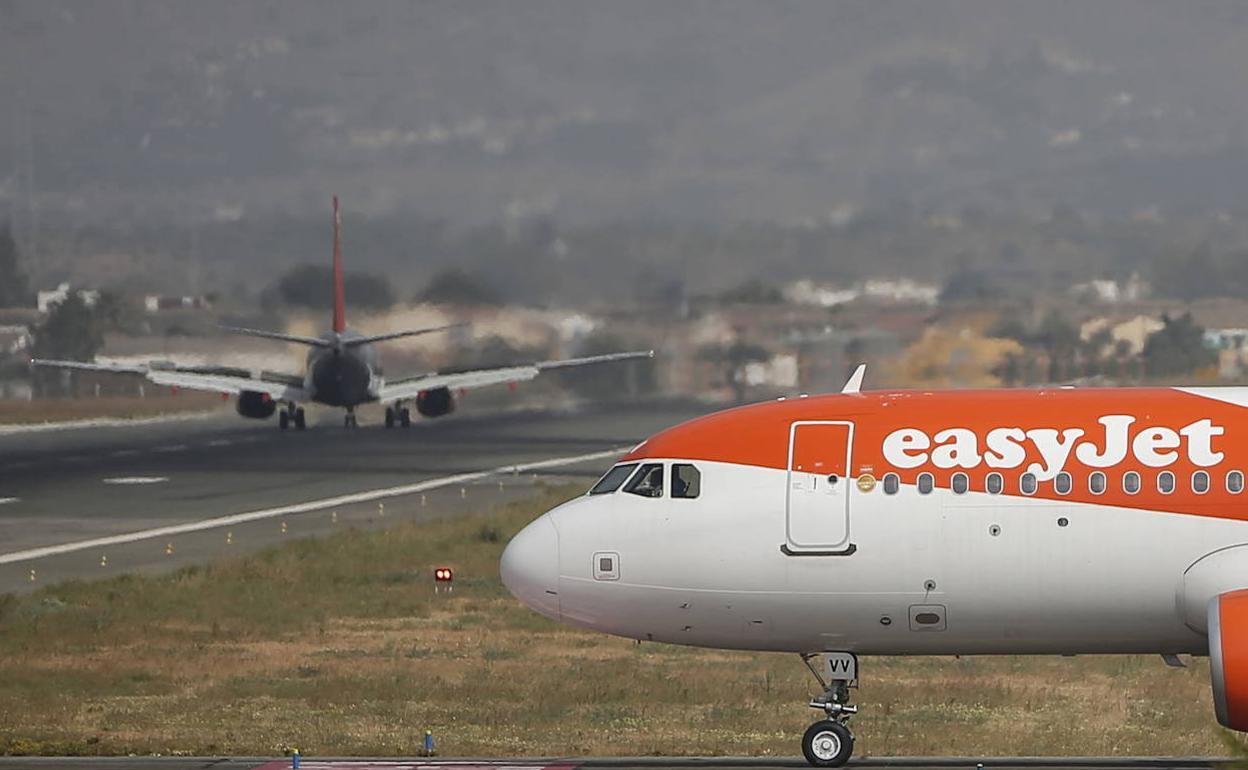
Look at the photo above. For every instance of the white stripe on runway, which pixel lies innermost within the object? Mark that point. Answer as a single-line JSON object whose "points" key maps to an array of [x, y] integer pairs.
{"points": [[106, 422], [311, 505], [7, 500]]}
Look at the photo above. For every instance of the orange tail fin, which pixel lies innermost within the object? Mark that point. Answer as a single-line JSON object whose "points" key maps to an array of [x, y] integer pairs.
{"points": [[340, 300]]}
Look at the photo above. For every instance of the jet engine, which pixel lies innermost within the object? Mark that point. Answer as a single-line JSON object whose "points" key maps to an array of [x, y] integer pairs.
{"points": [[435, 403], [1228, 658], [255, 405]]}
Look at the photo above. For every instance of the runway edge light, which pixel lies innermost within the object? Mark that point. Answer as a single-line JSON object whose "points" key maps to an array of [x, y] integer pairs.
{"points": [[443, 576]]}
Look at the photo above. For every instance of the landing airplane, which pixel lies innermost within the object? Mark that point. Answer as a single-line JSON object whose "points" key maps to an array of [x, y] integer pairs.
{"points": [[342, 370], [1011, 522]]}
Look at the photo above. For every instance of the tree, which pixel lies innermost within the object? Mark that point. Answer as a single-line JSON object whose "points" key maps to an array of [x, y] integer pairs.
{"points": [[967, 284], [71, 332], [1178, 347], [312, 287], [753, 292], [14, 285], [456, 287]]}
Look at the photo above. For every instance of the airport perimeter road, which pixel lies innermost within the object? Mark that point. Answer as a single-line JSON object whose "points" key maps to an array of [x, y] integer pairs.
{"points": [[69, 486], [621, 763]]}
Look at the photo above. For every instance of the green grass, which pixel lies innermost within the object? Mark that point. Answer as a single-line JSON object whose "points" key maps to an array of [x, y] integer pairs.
{"points": [[339, 646]]}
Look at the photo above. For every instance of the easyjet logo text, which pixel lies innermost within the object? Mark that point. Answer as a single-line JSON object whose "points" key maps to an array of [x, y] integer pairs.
{"points": [[1110, 444]]}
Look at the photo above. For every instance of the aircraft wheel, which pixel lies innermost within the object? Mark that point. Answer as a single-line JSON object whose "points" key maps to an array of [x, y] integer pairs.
{"points": [[389, 417], [283, 419], [827, 744], [300, 421], [405, 417]]}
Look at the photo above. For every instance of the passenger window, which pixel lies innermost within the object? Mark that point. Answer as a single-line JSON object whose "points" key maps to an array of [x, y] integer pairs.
{"points": [[1235, 482], [1200, 482], [1131, 482], [1096, 483], [995, 483], [1062, 483], [686, 481], [892, 483], [960, 483], [648, 482], [926, 483], [613, 479], [1165, 482], [1027, 483]]}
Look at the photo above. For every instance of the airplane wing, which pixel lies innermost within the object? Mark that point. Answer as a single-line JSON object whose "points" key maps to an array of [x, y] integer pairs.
{"points": [[214, 379], [480, 378]]}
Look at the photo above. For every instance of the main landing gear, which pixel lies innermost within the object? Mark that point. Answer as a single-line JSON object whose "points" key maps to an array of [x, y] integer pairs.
{"points": [[291, 415], [829, 742], [349, 420], [398, 415]]}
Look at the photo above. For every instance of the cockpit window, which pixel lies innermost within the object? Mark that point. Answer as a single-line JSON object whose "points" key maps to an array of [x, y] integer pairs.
{"points": [[686, 481], [647, 482], [613, 479]]}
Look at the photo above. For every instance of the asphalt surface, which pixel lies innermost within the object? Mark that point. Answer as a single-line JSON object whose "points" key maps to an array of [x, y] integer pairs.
{"points": [[613, 763], [68, 486]]}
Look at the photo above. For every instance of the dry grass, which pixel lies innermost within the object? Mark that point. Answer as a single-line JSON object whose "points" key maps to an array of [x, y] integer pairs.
{"points": [[338, 646], [15, 412]]}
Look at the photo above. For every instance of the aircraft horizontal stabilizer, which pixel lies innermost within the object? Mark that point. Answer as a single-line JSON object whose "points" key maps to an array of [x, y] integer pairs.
{"points": [[268, 335], [353, 341]]}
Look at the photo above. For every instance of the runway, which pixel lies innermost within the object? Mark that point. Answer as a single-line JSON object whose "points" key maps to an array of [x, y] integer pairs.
{"points": [[610, 763], [67, 486]]}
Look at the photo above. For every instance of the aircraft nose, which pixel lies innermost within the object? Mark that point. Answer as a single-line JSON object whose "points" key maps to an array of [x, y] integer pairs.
{"points": [[530, 566]]}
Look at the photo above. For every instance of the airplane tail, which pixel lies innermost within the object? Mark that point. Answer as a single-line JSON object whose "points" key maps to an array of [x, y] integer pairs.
{"points": [[340, 301]]}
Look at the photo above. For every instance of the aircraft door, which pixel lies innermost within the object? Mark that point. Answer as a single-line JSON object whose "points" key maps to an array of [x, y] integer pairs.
{"points": [[817, 498]]}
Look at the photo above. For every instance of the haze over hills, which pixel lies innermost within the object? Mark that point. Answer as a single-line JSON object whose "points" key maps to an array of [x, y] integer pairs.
{"points": [[594, 112]]}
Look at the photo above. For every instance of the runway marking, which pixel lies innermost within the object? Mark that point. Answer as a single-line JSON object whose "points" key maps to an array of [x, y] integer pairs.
{"points": [[124, 453], [220, 442], [311, 505], [132, 480], [8, 500], [19, 466], [106, 422], [417, 764], [171, 448]]}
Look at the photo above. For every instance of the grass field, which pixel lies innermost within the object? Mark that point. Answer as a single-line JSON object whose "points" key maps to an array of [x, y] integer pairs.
{"points": [[17, 412], [339, 646]]}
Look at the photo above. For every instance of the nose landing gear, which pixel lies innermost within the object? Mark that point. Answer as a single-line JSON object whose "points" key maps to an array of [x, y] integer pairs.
{"points": [[829, 742], [349, 420]]}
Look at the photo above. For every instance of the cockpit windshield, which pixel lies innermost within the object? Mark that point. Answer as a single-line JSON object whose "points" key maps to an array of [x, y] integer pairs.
{"points": [[648, 482], [613, 479]]}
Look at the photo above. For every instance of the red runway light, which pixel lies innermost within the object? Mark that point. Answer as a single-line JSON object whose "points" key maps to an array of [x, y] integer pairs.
{"points": [[443, 575]]}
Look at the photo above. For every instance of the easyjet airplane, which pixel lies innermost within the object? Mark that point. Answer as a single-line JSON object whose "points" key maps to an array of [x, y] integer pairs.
{"points": [[343, 370], [1053, 521]]}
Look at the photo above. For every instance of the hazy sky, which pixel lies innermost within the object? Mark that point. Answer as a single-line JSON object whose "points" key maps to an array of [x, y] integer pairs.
{"points": [[594, 111]]}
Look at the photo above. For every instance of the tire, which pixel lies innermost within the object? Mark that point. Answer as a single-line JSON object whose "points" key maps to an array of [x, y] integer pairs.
{"points": [[389, 417], [283, 419], [405, 417], [827, 744], [300, 421]]}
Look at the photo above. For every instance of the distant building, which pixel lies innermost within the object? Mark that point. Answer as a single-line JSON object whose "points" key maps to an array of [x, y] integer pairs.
{"points": [[1133, 332], [1111, 292], [154, 303], [902, 291], [779, 371], [14, 339], [47, 300]]}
